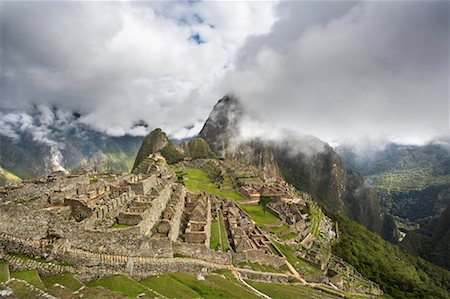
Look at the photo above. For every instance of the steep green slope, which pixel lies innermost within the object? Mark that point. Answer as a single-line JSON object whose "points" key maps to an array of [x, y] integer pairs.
{"points": [[414, 182], [197, 148], [398, 274]]}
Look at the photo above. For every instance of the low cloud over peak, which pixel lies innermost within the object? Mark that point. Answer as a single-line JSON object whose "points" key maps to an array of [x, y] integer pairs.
{"points": [[350, 70]]}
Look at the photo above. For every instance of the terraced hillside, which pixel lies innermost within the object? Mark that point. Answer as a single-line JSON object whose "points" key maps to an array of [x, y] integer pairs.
{"points": [[221, 284]]}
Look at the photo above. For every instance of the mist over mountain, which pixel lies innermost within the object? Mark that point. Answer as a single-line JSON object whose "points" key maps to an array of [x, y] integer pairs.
{"points": [[35, 143], [304, 161]]}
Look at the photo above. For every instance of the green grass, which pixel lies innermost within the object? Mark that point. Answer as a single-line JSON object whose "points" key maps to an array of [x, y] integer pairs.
{"points": [[4, 272], [184, 285], [215, 235], [263, 268], [224, 237], [316, 216], [197, 181], [257, 213], [30, 276], [9, 176], [119, 284], [169, 287], [288, 236], [299, 265], [400, 275], [65, 279], [287, 291], [278, 229]]}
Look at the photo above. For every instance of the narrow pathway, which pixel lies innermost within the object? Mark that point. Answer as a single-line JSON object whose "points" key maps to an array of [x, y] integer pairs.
{"points": [[257, 292]]}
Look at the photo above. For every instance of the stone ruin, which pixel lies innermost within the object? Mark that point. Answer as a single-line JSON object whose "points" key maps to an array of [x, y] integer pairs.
{"points": [[248, 241], [197, 219]]}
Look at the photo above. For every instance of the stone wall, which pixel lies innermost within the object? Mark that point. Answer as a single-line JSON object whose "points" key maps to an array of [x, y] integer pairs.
{"points": [[260, 257], [202, 252], [126, 241], [152, 215], [144, 186], [264, 276]]}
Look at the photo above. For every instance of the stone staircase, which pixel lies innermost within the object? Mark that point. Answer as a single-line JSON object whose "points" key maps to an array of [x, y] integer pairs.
{"points": [[28, 264], [143, 166]]}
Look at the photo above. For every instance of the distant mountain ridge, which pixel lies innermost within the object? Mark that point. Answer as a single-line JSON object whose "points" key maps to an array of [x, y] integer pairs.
{"points": [[414, 182], [73, 148], [304, 161]]}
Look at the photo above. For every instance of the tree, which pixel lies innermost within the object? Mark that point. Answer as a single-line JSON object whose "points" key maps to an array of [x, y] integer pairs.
{"points": [[264, 201]]}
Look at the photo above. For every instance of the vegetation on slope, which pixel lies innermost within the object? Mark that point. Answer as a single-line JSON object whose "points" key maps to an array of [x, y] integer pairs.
{"points": [[197, 148], [171, 154], [398, 274]]}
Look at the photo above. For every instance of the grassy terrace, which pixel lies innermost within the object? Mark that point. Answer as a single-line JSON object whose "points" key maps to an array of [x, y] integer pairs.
{"points": [[120, 284], [257, 213], [301, 266], [316, 215], [30, 276], [219, 238], [197, 181], [4, 272], [263, 268], [65, 279], [183, 285], [286, 291], [215, 235]]}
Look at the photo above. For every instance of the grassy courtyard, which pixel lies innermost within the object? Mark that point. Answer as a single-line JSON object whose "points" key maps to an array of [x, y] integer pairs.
{"points": [[258, 214], [197, 181]]}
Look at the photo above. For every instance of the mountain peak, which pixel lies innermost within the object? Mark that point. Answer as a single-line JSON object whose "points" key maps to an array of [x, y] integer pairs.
{"points": [[154, 142], [223, 123]]}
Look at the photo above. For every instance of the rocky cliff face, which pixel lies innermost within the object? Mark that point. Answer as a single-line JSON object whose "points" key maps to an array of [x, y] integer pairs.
{"points": [[304, 161]]}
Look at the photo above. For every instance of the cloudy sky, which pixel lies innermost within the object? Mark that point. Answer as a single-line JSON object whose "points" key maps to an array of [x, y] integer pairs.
{"points": [[337, 70]]}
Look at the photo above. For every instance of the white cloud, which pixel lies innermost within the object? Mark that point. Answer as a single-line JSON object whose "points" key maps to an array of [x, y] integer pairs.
{"points": [[347, 70], [118, 63]]}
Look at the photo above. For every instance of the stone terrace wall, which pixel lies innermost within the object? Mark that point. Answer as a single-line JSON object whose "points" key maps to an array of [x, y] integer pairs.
{"points": [[202, 252], [260, 257], [143, 187], [127, 241], [264, 276], [152, 215]]}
